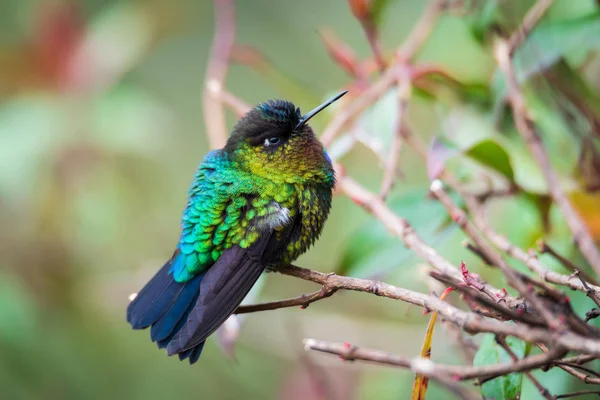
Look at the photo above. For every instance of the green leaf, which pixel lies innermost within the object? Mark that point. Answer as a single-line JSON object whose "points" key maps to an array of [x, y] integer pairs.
{"points": [[490, 153], [475, 137], [469, 134], [506, 387]]}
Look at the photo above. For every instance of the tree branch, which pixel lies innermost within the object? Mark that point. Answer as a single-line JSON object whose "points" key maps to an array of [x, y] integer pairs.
{"points": [[216, 72], [429, 368], [302, 301], [468, 321]]}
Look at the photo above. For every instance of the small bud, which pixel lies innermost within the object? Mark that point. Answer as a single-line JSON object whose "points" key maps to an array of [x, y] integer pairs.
{"points": [[456, 216], [463, 269]]}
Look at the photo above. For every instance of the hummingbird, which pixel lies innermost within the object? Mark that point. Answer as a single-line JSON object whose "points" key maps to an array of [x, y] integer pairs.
{"points": [[258, 203]]}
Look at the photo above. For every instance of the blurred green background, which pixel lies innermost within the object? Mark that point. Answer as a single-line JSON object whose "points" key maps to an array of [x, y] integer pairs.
{"points": [[101, 130]]}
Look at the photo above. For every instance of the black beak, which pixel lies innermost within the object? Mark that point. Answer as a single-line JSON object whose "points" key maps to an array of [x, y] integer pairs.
{"points": [[304, 119]]}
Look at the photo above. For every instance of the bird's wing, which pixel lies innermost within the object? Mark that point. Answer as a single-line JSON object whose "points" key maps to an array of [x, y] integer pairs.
{"points": [[223, 288], [217, 199]]}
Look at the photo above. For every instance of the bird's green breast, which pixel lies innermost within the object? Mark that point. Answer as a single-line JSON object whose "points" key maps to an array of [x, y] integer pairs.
{"points": [[228, 206]]}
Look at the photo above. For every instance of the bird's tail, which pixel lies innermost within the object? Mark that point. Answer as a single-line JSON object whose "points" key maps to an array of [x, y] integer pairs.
{"points": [[164, 305]]}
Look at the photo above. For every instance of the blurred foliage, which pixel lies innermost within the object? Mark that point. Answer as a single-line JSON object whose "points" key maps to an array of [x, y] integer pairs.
{"points": [[100, 134]]}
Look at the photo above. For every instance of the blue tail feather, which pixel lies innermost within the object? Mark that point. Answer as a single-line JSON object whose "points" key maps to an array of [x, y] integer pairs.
{"points": [[164, 304], [179, 309]]}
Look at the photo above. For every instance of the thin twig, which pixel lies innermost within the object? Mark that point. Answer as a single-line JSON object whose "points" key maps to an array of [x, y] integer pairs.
{"points": [[428, 367], [216, 72], [565, 365], [588, 290], [526, 128], [578, 393], [545, 248], [302, 301], [581, 367], [579, 360], [391, 164], [531, 19]]}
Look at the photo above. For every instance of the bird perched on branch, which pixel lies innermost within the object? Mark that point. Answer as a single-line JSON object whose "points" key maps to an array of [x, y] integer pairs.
{"points": [[259, 202]]}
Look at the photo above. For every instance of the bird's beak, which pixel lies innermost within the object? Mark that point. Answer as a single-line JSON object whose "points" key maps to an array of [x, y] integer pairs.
{"points": [[304, 119]]}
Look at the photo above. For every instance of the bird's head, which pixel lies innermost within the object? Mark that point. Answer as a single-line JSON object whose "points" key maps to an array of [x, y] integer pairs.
{"points": [[274, 141]]}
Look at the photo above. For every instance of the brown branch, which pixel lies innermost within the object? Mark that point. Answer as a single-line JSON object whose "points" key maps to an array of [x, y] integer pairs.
{"points": [[428, 367], [581, 359], [526, 128], [531, 19], [571, 369], [581, 367], [391, 164], [216, 72], [468, 321], [490, 307], [302, 301], [348, 352], [588, 290]]}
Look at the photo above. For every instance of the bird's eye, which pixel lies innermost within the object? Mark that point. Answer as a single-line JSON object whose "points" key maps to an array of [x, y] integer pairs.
{"points": [[272, 141]]}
